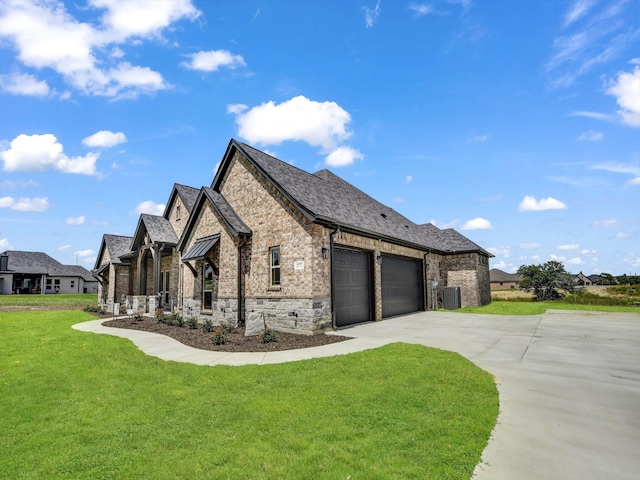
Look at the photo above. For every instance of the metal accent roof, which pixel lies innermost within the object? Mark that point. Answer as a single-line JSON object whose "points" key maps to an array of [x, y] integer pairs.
{"points": [[201, 248]]}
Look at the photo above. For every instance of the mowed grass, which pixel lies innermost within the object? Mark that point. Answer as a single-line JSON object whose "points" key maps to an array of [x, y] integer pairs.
{"points": [[79, 405], [60, 299], [510, 307]]}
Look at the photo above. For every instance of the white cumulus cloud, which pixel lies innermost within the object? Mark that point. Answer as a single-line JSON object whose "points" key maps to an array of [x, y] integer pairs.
{"points": [[343, 156], [42, 152], [320, 124], [568, 247], [477, 224], [46, 36], [626, 89], [5, 245], [530, 204], [213, 60], [23, 84], [574, 261], [35, 204], [150, 207], [104, 139]]}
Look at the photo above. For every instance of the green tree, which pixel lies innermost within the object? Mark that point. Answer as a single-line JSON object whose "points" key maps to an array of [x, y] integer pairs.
{"points": [[546, 280]]}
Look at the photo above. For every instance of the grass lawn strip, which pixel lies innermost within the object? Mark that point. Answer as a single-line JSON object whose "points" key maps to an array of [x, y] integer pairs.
{"points": [[77, 405], [71, 300]]}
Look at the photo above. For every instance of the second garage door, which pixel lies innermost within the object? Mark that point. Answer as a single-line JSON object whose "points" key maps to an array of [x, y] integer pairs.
{"points": [[402, 286]]}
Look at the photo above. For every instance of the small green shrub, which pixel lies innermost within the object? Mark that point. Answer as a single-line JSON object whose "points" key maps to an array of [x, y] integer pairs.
{"points": [[268, 335], [228, 328], [207, 326], [95, 309], [137, 317], [193, 323], [220, 335], [175, 320]]}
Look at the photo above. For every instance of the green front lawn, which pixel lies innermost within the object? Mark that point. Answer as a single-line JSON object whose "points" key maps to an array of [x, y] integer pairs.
{"points": [[510, 307], [79, 405], [38, 300]]}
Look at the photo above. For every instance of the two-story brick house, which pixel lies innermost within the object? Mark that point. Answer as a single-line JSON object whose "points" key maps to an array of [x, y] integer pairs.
{"points": [[268, 243]]}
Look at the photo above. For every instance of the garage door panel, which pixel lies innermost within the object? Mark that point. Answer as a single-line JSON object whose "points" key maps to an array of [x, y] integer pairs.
{"points": [[352, 287], [402, 286]]}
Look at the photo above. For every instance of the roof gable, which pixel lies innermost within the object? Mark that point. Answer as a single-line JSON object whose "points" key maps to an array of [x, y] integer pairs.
{"points": [[227, 215], [158, 228], [327, 199], [187, 194], [116, 246]]}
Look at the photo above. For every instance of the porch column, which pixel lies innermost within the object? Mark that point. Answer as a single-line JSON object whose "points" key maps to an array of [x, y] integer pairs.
{"points": [[157, 266]]}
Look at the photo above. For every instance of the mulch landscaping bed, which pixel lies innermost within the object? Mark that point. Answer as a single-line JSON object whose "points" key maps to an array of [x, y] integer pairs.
{"points": [[238, 342]]}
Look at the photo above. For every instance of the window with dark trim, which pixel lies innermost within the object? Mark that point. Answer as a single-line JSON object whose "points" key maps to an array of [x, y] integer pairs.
{"points": [[274, 265], [207, 287]]}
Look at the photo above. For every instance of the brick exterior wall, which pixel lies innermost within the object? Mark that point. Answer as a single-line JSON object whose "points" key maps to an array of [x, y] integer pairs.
{"points": [[302, 301], [470, 272]]}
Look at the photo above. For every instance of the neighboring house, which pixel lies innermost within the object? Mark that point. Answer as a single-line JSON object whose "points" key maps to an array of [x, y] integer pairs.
{"points": [[502, 280], [268, 243], [595, 279], [37, 272], [582, 280]]}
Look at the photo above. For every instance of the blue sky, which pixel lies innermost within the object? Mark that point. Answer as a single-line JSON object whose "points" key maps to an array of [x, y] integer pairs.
{"points": [[516, 123]]}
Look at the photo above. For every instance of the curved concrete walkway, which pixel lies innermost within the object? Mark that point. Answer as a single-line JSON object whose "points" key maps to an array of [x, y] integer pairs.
{"points": [[166, 348], [569, 383]]}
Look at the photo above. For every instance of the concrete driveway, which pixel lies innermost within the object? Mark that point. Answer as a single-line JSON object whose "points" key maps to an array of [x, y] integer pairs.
{"points": [[569, 386]]}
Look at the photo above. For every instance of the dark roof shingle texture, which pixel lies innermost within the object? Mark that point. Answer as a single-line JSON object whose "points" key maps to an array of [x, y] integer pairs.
{"points": [[326, 197], [39, 263]]}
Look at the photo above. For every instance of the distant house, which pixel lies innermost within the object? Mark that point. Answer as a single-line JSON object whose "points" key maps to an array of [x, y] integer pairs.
{"points": [[582, 280], [502, 280], [268, 243], [595, 279], [37, 272]]}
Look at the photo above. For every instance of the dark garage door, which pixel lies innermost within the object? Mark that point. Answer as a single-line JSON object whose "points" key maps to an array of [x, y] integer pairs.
{"points": [[351, 286], [402, 286]]}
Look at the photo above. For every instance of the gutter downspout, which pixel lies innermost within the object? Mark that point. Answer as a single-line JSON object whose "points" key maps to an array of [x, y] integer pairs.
{"points": [[242, 243], [333, 311]]}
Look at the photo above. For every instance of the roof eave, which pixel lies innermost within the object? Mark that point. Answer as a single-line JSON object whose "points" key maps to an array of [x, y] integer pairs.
{"points": [[234, 145]]}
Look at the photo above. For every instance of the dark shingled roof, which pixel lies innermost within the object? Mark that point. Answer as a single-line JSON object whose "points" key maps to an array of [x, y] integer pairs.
{"points": [[158, 228], [117, 246], [188, 195], [39, 263], [497, 275], [326, 198], [226, 211]]}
